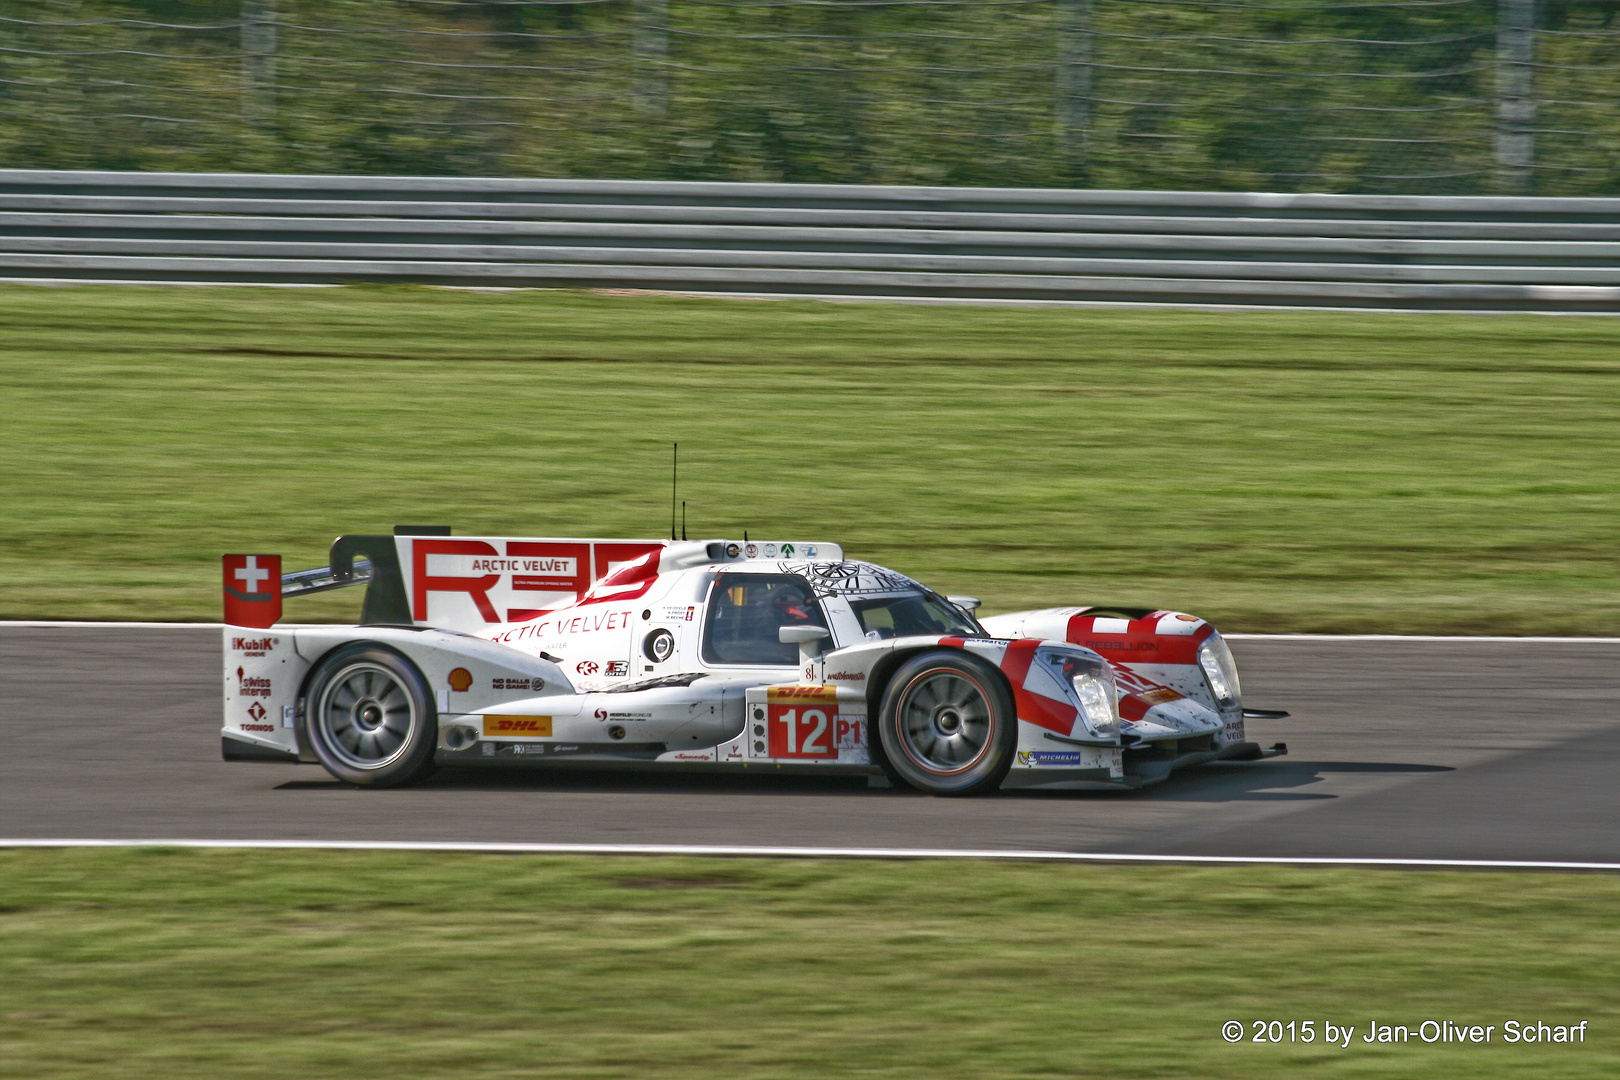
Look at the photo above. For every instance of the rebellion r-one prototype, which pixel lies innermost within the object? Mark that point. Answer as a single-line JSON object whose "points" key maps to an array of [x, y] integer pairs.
{"points": [[716, 655]]}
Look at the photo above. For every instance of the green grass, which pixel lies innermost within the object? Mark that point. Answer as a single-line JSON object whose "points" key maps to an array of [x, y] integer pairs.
{"points": [[177, 964], [1272, 471]]}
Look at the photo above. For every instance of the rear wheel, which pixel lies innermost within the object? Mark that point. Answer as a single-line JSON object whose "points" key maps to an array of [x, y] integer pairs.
{"points": [[369, 717], [947, 724]]}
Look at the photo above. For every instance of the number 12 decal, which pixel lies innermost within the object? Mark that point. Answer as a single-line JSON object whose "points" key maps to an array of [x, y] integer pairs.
{"points": [[800, 733]]}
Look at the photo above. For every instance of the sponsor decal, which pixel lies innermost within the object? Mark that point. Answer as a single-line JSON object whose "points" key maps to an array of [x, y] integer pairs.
{"points": [[516, 684], [1232, 732], [732, 551], [770, 551], [476, 587], [693, 755], [1122, 646], [787, 551], [1050, 757], [752, 550], [258, 727], [460, 680], [587, 667], [585, 624], [532, 726], [849, 732], [779, 695], [617, 667], [1159, 696], [256, 710], [251, 686], [809, 551], [848, 676], [800, 731], [1187, 618], [634, 717], [254, 646], [548, 568]]}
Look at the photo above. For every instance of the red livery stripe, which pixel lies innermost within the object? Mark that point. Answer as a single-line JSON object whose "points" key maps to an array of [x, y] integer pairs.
{"points": [[1038, 709], [1140, 643]]}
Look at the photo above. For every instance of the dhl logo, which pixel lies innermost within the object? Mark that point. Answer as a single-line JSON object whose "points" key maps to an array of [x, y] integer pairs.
{"points": [[782, 695], [517, 725]]}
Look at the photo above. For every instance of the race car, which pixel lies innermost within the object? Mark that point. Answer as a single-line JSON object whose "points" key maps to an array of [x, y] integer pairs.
{"points": [[717, 654]]}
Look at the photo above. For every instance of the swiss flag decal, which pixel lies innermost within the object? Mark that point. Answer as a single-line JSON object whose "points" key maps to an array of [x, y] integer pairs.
{"points": [[252, 590]]}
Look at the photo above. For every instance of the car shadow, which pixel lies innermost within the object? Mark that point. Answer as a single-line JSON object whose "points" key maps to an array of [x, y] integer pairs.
{"points": [[1270, 781], [1259, 781], [607, 780]]}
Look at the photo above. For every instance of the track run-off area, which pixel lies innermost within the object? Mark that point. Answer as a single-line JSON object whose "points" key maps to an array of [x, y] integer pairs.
{"points": [[1402, 751]]}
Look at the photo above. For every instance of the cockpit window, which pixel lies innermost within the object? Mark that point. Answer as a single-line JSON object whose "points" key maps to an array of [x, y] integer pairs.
{"points": [[746, 613], [912, 613]]}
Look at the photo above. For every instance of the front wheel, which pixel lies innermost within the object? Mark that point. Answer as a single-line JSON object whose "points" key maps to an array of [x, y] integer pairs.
{"points": [[369, 716], [948, 724]]}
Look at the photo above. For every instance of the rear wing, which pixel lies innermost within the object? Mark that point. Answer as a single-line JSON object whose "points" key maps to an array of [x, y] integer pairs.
{"points": [[426, 577]]}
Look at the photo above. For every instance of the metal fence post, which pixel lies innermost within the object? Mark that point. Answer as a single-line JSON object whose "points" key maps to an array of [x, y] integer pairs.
{"points": [[1072, 111], [1515, 105], [649, 38], [258, 60]]}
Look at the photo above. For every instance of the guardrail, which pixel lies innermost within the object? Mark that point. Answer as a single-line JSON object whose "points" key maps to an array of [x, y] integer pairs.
{"points": [[1416, 252]]}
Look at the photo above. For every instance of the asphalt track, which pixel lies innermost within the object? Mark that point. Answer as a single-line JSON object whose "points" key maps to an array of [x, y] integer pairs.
{"points": [[1399, 748]]}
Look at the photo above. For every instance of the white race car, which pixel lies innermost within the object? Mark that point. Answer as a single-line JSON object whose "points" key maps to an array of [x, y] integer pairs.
{"points": [[709, 654]]}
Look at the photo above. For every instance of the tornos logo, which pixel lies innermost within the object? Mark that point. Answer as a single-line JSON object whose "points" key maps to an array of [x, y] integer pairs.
{"points": [[257, 713], [529, 726]]}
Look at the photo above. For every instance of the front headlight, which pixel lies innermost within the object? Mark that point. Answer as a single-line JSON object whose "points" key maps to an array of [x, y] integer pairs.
{"points": [[1221, 670], [1099, 703]]}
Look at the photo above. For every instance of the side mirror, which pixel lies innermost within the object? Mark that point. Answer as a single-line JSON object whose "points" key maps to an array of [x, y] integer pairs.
{"points": [[805, 637], [969, 604]]}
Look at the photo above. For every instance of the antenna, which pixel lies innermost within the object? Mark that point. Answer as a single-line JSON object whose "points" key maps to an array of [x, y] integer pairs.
{"points": [[683, 519], [674, 473]]}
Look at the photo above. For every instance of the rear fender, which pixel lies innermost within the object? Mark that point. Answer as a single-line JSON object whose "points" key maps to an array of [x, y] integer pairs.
{"points": [[271, 668]]}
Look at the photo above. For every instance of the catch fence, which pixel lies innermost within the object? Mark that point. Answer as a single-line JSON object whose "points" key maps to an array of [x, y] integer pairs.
{"points": [[1376, 96]]}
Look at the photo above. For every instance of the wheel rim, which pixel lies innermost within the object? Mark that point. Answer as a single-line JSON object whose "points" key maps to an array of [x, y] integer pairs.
{"points": [[366, 716], [944, 721]]}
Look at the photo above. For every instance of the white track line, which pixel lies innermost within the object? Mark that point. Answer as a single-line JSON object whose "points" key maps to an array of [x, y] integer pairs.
{"points": [[4, 623], [738, 850]]}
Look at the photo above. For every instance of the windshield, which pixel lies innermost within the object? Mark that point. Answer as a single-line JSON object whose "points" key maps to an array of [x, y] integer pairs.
{"points": [[912, 613]]}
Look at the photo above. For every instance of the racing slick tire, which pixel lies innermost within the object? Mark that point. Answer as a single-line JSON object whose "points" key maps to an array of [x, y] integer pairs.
{"points": [[369, 716], [947, 724]]}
